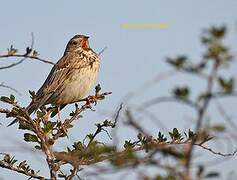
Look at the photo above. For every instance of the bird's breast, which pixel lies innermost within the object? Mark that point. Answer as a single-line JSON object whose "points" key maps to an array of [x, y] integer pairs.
{"points": [[79, 84]]}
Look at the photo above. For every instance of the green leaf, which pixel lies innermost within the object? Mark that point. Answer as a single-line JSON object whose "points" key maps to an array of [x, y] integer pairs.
{"points": [[90, 136], [49, 126], [40, 114], [24, 126], [13, 122], [97, 89], [140, 136], [28, 50], [9, 100], [227, 85], [6, 100], [218, 127], [7, 158], [12, 98], [161, 137], [128, 144], [181, 92], [212, 175], [178, 62], [218, 32], [32, 94], [22, 165], [62, 176], [11, 50], [215, 50], [13, 161], [35, 53], [30, 137], [72, 114], [38, 147], [175, 135], [78, 145], [165, 177], [32, 171], [18, 111], [68, 149], [190, 134], [101, 97]]}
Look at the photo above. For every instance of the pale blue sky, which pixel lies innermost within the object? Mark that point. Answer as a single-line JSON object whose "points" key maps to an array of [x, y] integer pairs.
{"points": [[133, 56]]}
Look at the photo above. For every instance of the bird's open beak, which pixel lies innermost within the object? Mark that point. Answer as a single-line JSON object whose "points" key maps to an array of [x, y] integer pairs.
{"points": [[85, 43]]}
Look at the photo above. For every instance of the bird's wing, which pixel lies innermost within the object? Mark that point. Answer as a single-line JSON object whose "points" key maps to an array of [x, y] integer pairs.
{"points": [[56, 78]]}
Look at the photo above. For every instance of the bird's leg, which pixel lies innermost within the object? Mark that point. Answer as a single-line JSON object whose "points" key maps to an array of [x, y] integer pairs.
{"points": [[58, 112], [63, 127]]}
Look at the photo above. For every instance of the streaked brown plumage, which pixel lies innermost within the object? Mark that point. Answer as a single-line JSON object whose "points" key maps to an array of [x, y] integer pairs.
{"points": [[71, 77]]}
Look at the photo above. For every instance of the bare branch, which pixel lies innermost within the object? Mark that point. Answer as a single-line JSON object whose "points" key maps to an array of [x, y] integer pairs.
{"points": [[131, 122], [202, 110], [117, 115]]}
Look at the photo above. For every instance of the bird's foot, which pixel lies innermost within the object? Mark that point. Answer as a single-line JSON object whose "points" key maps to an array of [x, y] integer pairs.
{"points": [[91, 100]]}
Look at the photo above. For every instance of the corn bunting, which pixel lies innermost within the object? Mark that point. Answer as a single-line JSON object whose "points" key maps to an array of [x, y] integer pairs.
{"points": [[71, 77]]}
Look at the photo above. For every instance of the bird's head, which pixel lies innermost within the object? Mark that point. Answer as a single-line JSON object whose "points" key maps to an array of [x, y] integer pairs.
{"points": [[78, 42]]}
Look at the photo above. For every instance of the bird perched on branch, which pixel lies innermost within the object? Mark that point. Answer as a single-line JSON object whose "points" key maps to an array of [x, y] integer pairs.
{"points": [[71, 77]]}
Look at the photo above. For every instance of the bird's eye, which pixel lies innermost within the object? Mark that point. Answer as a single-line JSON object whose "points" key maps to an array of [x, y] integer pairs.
{"points": [[74, 42]]}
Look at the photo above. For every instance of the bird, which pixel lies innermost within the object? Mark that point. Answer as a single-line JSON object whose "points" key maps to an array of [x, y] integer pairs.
{"points": [[71, 78]]}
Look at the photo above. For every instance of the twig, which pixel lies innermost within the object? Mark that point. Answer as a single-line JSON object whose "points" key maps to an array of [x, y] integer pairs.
{"points": [[114, 131], [26, 56], [74, 172], [147, 85], [102, 50], [159, 100], [23, 56], [100, 127], [117, 115], [10, 167], [222, 94], [130, 121], [13, 64], [11, 88], [225, 115], [217, 153], [76, 114], [152, 117]]}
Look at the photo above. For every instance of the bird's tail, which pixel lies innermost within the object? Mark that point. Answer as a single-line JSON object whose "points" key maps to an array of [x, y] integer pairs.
{"points": [[31, 108]]}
